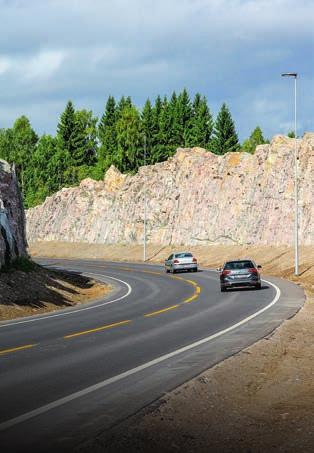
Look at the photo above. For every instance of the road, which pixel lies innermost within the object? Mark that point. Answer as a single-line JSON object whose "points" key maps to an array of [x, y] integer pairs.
{"points": [[69, 375]]}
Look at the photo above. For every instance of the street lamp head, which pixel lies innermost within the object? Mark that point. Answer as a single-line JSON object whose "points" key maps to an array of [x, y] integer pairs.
{"points": [[290, 74]]}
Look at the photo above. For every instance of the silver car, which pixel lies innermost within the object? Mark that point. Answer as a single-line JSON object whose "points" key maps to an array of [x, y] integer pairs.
{"points": [[181, 261], [239, 273]]}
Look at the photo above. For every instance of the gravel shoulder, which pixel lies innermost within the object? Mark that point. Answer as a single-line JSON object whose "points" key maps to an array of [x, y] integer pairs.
{"points": [[259, 400]]}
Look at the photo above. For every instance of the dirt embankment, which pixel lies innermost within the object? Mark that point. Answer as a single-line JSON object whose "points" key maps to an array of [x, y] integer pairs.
{"points": [[40, 291], [276, 261], [261, 400]]}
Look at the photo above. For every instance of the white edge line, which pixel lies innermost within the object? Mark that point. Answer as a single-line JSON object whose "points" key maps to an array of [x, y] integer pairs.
{"points": [[43, 409], [71, 312]]}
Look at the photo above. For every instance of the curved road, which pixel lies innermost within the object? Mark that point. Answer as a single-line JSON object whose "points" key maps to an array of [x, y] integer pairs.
{"points": [[67, 376]]}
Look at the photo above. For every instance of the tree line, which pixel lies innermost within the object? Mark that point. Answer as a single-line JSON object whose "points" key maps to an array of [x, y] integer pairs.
{"points": [[86, 147]]}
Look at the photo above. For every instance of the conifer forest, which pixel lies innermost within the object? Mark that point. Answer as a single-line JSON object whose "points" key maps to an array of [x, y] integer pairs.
{"points": [[85, 146]]}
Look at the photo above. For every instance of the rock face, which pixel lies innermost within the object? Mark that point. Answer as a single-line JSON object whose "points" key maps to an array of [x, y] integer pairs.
{"points": [[196, 197], [12, 219]]}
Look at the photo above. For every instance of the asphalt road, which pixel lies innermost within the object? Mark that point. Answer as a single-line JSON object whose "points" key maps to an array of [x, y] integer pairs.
{"points": [[68, 376]]}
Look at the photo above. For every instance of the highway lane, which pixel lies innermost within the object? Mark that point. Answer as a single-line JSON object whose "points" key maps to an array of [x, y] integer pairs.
{"points": [[148, 315]]}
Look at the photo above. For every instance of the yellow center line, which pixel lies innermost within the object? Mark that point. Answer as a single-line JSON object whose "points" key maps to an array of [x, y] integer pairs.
{"points": [[161, 311], [98, 329], [190, 299], [124, 269], [189, 281], [19, 348], [152, 272]]}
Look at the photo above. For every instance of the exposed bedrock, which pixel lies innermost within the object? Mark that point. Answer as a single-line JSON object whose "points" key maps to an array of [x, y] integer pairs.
{"points": [[196, 197], [12, 218]]}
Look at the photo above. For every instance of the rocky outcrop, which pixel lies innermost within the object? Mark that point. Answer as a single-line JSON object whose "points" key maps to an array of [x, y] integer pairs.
{"points": [[12, 219], [196, 197]]}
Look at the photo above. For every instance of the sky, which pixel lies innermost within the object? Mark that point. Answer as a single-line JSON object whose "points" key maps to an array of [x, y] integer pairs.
{"points": [[231, 51]]}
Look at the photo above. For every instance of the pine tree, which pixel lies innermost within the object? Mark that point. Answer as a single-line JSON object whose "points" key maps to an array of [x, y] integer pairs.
{"points": [[225, 138], [256, 138], [107, 135], [201, 124]]}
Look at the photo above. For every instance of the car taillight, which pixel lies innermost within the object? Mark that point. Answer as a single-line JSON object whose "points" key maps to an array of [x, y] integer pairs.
{"points": [[252, 270], [176, 262], [194, 260], [225, 272]]}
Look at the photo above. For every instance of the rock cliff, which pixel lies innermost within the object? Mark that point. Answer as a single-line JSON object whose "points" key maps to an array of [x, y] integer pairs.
{"points": [[196, 197], [12, 219]]}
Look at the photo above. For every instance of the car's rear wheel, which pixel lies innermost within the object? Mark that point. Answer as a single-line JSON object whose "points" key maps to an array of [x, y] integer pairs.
{"points": [[195, 270], [167, 271], [223, 289], [258, 286]]}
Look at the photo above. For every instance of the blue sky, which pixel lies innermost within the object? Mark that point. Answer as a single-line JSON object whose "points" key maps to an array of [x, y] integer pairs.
{"points": [[231, 51]]}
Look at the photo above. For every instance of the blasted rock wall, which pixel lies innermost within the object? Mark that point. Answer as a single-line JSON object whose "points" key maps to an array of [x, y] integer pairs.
{"points": [[12, 218], [196, 197]]}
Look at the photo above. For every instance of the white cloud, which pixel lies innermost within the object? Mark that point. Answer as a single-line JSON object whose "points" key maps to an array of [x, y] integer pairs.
{"points": [[43, 65], [229, 50], [4, 65]]}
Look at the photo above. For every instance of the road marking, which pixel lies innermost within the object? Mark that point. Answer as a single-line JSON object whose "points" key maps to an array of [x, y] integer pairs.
{"points": [[189, 281], [19, 348], [73, 396], [42, 318], [154, 313], [152, 272], [97, 329]]}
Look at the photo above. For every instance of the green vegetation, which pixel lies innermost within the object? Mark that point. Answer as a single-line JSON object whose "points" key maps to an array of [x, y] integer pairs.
{"points": [[225, 138], [255, 139], [85, 147]]}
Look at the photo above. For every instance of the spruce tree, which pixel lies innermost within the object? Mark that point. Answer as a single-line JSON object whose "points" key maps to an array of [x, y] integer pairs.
{"points": [[107, 135], [84, 139], [147, 127], [66, 126], [122, 104], [129, 140], [225, 138], [182, 118], [164, 149], [201, 124], [156, 112]]}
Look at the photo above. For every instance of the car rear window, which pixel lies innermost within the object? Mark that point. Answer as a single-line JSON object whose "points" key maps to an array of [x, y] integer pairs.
{"points": [[234, 265], [184, 255]]}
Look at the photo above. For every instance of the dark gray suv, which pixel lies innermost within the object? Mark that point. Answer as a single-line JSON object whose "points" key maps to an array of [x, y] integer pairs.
{"points": [[239, 273]]}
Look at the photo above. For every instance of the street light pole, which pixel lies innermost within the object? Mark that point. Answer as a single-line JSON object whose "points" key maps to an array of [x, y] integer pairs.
{"points": [[145, 202], [296, 191]]}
